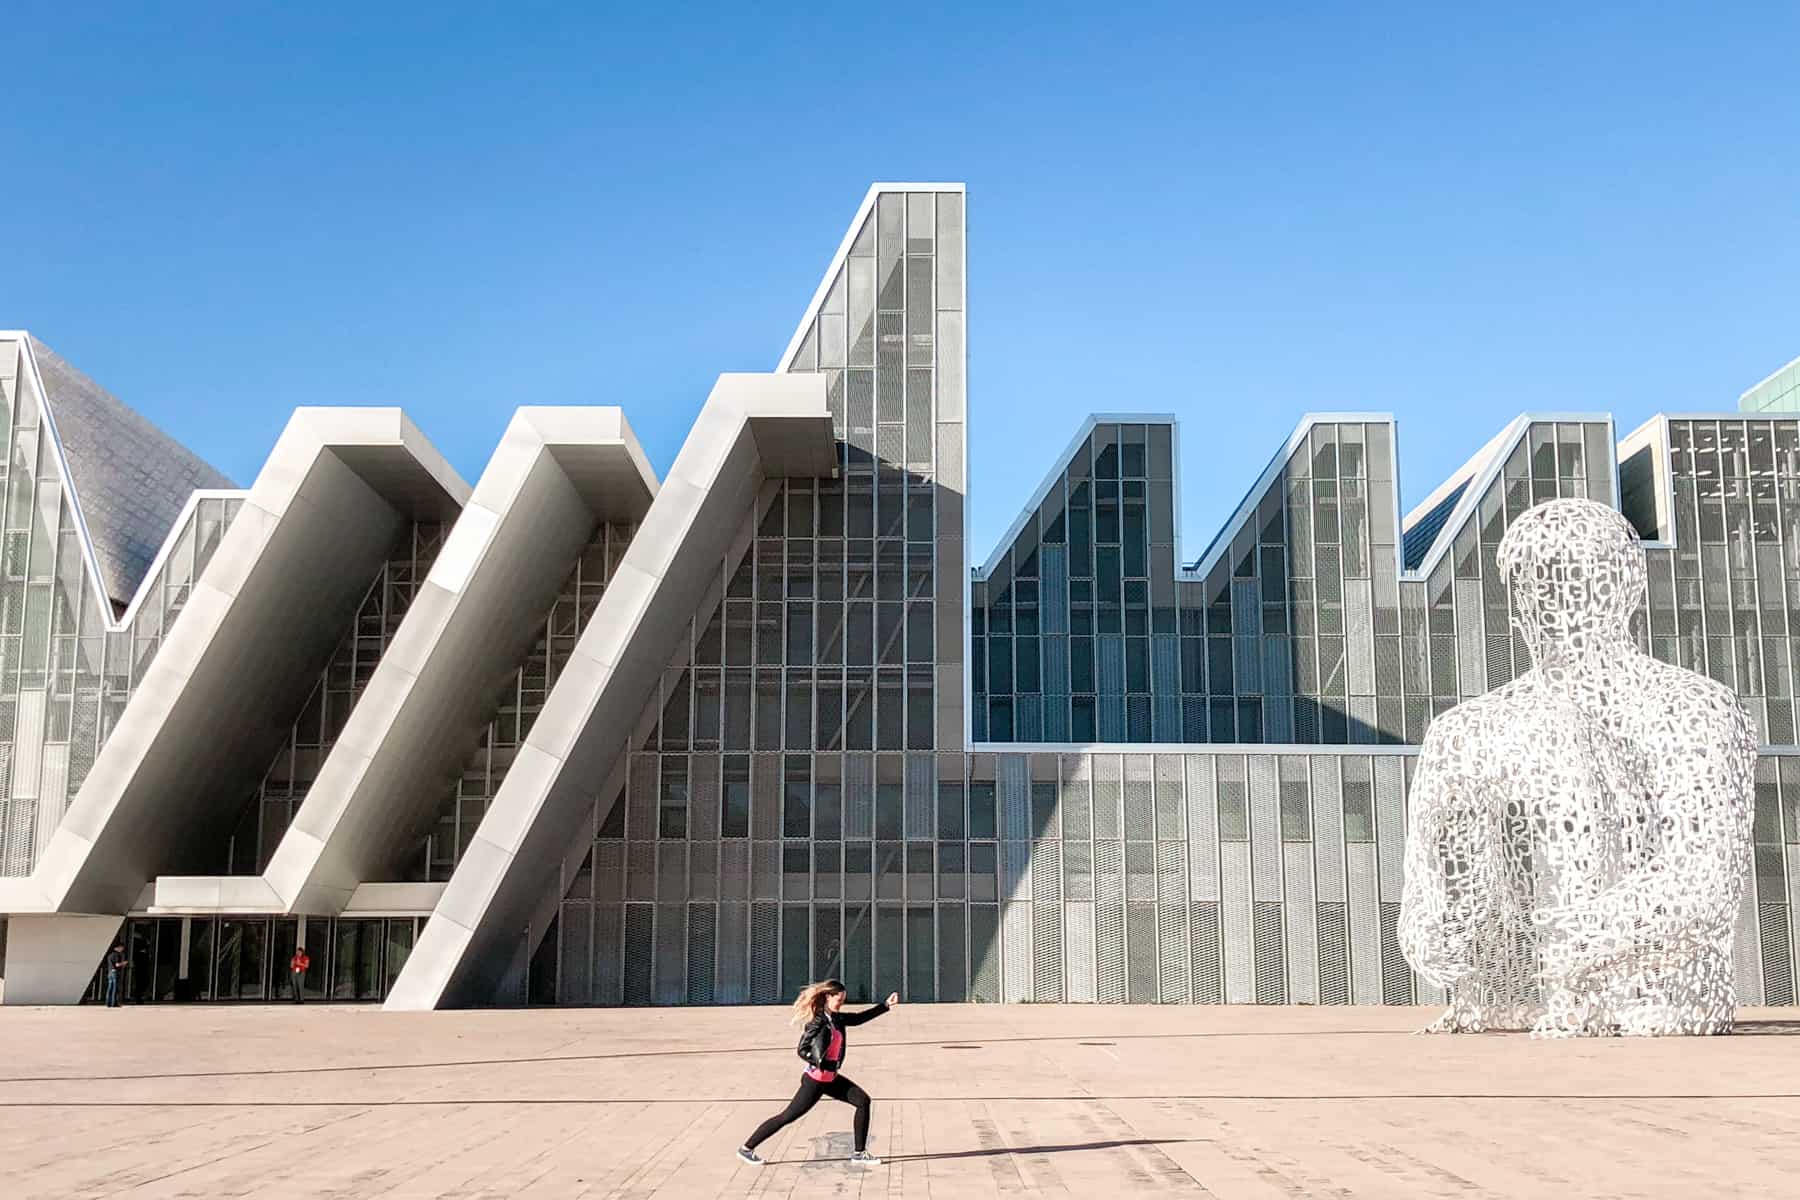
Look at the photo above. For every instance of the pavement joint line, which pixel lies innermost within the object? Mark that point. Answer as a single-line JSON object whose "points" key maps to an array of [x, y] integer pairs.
{"points": [[1215, 1097], [863, 1046]]}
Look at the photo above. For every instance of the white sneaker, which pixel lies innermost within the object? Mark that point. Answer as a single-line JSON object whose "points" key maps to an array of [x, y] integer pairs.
{"points": [[746, 1154], [862, 1158]]}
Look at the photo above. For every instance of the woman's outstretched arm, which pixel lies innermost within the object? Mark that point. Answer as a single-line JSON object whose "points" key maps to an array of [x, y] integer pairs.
{"points": [[869, 1014]]}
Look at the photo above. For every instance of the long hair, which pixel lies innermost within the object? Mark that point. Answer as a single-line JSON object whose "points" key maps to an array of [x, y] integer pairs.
{"points": [[811, 1000]]}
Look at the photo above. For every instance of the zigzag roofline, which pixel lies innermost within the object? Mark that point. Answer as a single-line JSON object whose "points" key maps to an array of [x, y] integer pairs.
{"points": [[1474, 478], [836, 264]]}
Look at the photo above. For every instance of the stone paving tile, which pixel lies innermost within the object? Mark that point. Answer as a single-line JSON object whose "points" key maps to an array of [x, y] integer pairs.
{"points": [[1088, 1102]]}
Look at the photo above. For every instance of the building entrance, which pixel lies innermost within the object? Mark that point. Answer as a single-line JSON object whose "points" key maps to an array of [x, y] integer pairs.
{"points": [[177, 960]]}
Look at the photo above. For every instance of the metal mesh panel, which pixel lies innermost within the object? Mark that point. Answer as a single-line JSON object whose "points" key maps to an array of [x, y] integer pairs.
{"points": [[1365, 924], [1015, 797], [765, 953], [1140, 946], [1334, 954], [1169, 797], [984, 952], [1265, 829], [1172, 942], [1471, 646], [828, 942], [1390, 825], [1271, 975], [575, 977], [1140, 805], [1047, 953], [1777, 954], [1078, 870], [1328, 828], [609, 870], [1109, 952], [1111, 680], [1209, 973], [609, 962], [765, 795], [640, 874], [703, 797], [1015, 871], [732, 954], [1302, 929], [859, 796], [1140, 870], [921, 787], [796, 948], [640, 798], [1017, 953], [639, 947], [1171, 880], [1396, 975], [671, 871], [1240, 967], [734, 870], [952, 954], [1046, 871], [671, 954], [701, 952], [1079, 952], [858, 956], [1203, 829], [765, 870], [1074, 798]]}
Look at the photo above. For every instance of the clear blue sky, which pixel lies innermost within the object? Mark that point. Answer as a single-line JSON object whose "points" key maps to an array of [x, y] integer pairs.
{"points": [[1232, 213]]}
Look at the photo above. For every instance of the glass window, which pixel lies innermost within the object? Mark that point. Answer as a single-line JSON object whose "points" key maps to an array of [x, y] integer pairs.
{"points": [[673, 797], [735, 822]]}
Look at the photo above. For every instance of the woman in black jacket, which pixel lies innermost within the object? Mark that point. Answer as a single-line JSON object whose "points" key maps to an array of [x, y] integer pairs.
{"points": [[822, 1046]]}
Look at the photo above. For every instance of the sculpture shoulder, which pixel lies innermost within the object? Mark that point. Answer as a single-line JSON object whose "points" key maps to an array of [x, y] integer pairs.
{"points": [[1483, 715], [1689, 699]]}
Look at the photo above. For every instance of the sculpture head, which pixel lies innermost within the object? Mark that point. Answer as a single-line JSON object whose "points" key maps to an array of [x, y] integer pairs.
{"points": [[1576, 572]]}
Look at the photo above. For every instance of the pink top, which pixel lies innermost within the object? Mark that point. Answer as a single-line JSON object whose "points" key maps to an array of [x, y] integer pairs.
{"points": [[833, 1053]]}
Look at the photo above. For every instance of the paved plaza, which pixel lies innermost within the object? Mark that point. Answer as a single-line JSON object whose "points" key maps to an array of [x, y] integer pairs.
{"points": [[970, 1101]]}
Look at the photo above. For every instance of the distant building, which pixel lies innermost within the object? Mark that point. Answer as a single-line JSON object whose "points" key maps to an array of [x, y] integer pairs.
{"points": [[576, 735], [1779, 393]]}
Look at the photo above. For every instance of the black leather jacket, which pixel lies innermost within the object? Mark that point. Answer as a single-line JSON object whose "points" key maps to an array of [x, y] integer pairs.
{"points": [[815, 1043]]}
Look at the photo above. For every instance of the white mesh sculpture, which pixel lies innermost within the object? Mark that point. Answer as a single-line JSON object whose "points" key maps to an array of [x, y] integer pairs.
{"points": [[1579, 839]]}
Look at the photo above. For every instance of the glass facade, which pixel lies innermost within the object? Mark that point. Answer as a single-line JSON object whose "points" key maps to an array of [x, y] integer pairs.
{"points": [[518, 705], [240, 958], [267, 814], [1302, 625], [67, 663]]}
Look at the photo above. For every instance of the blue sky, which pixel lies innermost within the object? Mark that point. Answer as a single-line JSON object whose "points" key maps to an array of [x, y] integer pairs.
{"points": [[1238, 214]]}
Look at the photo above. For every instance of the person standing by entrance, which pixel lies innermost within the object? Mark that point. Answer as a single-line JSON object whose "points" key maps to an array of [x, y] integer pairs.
{"points": [[116, 962], [297, 968], [821, 1005]]}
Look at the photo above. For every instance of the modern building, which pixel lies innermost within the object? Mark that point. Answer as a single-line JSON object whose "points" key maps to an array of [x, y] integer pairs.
{"points": [[1779, 393], [577, 735]]}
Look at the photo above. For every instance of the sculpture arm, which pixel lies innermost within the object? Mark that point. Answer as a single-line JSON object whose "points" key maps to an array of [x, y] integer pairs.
{"points": [[1432, 934], [1688, 889]]}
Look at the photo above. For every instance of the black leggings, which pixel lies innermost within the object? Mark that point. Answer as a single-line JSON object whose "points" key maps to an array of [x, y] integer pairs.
{"points": [[803, 1101]]}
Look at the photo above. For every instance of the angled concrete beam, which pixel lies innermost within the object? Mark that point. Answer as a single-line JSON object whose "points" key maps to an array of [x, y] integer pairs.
{"points": [[752, 428], [262, 620], [556, 476]]}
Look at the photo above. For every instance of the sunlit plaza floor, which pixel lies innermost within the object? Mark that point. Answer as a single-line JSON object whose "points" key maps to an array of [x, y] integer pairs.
{"points": [[970, 1101]]}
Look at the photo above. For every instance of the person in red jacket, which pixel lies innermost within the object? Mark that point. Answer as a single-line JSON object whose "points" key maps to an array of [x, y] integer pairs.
{"points": [[821, 1005], [297, 968]]}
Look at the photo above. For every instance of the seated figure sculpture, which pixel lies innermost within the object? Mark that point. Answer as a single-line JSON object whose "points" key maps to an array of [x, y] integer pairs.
{"points": [[1579, 839]]}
